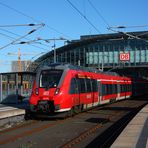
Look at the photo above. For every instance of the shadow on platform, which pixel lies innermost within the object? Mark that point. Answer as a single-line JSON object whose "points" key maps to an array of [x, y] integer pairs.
{"points": [[16, 101], [98, 120]]}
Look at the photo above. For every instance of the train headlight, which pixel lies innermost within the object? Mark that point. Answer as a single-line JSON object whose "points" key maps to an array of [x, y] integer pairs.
{"points": [[57, 91]]}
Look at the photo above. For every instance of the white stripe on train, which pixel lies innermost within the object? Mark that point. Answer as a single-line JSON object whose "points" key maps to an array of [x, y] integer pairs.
{"points": [[93, 104]]}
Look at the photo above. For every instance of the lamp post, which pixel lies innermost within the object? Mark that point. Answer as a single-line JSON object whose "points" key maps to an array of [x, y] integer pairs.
{"points": [[54, 52], [54, 44]]}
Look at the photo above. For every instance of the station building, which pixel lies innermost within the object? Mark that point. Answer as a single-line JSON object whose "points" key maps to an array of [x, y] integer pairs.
{"points": [[105, 51], [126, 54]]}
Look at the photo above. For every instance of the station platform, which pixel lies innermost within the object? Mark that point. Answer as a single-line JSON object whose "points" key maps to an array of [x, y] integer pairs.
{"points": [[8, 111], [135, 135]]}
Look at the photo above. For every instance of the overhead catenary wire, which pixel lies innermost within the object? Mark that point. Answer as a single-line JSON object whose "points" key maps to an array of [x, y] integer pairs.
{"points": [[30, 32], [30, 42], [19, 12], [24, 38], [7, 36], [88, 21], [123, 27], [99, 14], [128, 34], [22, 25], [32, 18]]}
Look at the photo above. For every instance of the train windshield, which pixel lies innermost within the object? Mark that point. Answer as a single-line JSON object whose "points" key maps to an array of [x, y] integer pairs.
{"points": [[50, 78]]}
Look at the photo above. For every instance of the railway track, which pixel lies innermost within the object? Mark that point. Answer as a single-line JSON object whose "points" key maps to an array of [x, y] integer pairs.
{"points": [[84, 129], [106, 138]]}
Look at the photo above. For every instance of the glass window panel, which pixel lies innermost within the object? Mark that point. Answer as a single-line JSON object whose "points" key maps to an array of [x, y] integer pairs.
{"points": [[105, 56], [116, 56], [142, 55], [90, 57], [132, 56], [87, 58], [95, 57], [110, 57], [137, 56], [146, 55], [100, 57]]}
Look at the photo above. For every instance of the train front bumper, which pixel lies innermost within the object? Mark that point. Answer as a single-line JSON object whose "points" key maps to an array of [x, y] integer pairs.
{"points": [[45, 107]]}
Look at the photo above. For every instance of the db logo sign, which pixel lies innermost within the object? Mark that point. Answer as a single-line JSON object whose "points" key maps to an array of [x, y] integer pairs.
{"points": [[124, 56]]}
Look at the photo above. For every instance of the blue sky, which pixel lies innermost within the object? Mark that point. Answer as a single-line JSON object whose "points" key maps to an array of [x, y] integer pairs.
{"points": [[62, 20]]}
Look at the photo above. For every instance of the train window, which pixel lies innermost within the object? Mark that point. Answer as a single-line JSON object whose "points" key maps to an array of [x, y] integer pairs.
{"points": [[110, 89], [123, 88], [113, 89], [78, 84], [73, 87], [115, 86], [82, 85], [104, 89], [94, 85], [107, 89], [88, 85], [50, 78], [120, 88], [128, 87]]}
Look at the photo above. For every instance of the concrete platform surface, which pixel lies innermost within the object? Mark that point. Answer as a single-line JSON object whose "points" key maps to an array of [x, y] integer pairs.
{"points": [[135, 135], [10, 110]]}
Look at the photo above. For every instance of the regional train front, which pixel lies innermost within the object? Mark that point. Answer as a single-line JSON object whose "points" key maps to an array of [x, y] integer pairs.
{"points": [[46, 88]]}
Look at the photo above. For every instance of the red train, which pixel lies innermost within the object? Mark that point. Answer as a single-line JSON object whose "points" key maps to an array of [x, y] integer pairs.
{"points": [[67, 88]]}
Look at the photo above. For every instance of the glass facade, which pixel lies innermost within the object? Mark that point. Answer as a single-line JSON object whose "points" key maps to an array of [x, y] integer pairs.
{"points": [[108, 54], [103, 53]]}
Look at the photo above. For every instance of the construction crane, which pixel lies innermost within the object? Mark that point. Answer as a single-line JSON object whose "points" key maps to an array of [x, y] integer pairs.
{"points": [[19, 54]]}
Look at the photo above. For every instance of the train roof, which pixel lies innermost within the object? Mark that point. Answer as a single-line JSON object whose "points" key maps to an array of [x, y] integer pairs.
{"points": [[79, 68]]}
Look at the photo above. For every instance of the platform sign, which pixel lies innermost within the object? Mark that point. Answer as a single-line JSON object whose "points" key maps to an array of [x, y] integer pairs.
{"points": [[124, 56]]}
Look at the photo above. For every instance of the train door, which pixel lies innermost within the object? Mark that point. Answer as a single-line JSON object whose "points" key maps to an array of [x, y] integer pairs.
{"points": [[118, 90], [99, 91], [75, 92], [89, 93], [94, 90]]}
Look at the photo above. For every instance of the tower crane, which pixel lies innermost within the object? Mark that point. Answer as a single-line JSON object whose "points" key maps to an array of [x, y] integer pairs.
{"points": [[19, 54]]}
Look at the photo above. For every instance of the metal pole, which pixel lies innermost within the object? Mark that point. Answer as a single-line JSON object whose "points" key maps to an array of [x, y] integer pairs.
{"points": [[102, 63], [103, 60], [79, 62], [16, 80], [8, 84], [54, 52], [1, 88]]}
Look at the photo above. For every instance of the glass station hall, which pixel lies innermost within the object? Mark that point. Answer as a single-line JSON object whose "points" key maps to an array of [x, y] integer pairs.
{"points": [[101, 51]]}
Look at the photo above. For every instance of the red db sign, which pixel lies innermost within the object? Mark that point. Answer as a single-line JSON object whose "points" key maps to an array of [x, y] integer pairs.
{"points": [[124, 56]]}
